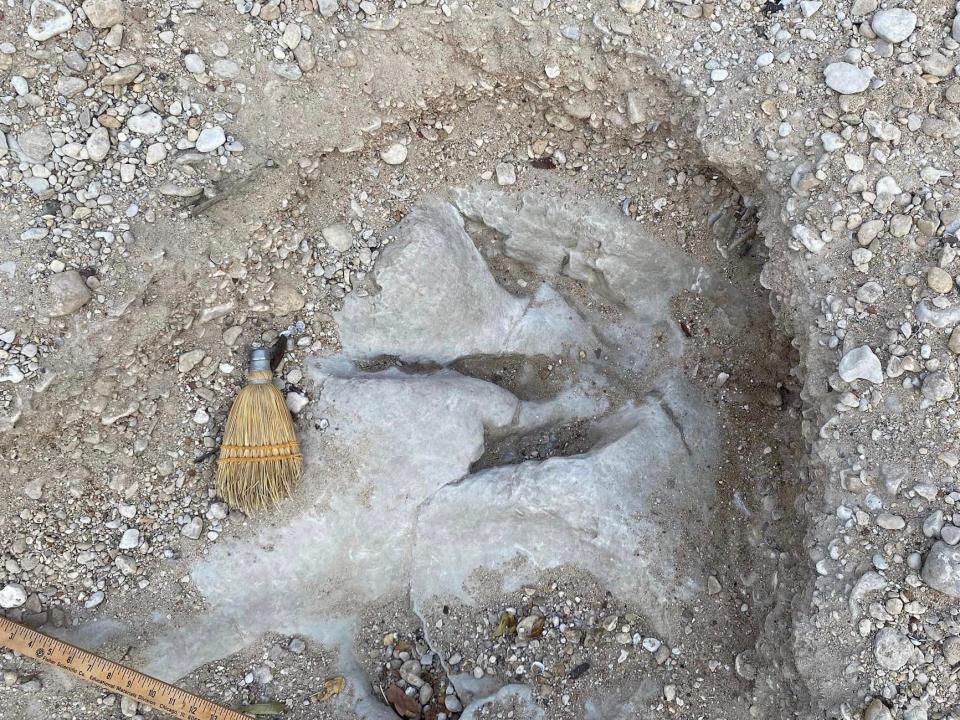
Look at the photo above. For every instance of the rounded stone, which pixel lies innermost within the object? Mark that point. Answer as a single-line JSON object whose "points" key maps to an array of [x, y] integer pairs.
{"points": [[892, 649], [148, 123], [396, 154], [939, 280], [846, 79], [210, 139], [12, 596], [194, 63], [48, 19], [894, 25]]}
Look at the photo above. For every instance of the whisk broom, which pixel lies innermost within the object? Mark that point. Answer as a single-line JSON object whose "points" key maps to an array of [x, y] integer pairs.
{"points": [[260, 458]]}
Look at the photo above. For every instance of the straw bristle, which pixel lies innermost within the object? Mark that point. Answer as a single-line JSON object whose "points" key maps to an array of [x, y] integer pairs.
{"points": [[260, 458]]}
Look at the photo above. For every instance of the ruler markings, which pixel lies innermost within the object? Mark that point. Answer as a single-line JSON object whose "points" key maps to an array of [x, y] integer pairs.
{"points": [[111, 675]]}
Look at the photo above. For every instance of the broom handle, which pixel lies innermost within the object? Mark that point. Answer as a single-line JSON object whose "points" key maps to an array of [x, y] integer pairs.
{"points": [[112, 676]]}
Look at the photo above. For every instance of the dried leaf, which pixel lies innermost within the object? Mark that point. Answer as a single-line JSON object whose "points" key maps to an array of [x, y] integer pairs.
{"points": [[507, 625], [405, 705], [331, 688], [259, 709]]}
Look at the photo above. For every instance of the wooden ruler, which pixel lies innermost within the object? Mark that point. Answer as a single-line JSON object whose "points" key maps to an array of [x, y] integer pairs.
{"points": [[110, 675]]}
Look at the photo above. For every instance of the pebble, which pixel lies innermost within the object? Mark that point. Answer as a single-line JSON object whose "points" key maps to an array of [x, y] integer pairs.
{"points": [[951, 650], [48, 19], [95, 599], [156, 153], [130, 539], [861, 364], [148, 123], [937, 386], [876, 710], [193, 529], [941, 569], [338, 236], [36, 143], [291, 36], [950, 534], [296, 402], [67, 293], [98, 144], [890, 522], [189, 360], [12, 596], [632, 7], [846, 79], [128, 706], [894, 25], [103, 13], [226, 69], [892, 649], [395, 154], [506, 174], [194, 63], [939, 280], [210, 139]]}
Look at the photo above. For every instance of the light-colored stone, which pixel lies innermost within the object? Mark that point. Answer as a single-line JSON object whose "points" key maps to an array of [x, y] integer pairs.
{"points": [[67, 293], [210, 139], [148, 123], [103, 13], [861, 364], [941, 569], [892, 649], [48, 19], [130, 539], [506, 174], [12, 595], [338, 236], [395, 154], [894, 24], [846, 79], [156, 153], [939, 280], [632, 7], [98, 144]]}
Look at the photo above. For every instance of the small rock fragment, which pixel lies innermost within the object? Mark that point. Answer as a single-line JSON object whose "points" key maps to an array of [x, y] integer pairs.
{"points": [[193, 528], [103, 13], [395, 154], [892, 649], [148, 123], [939, 280], [894, 24], [937, 386], [846, 79], [506, 174], [338, 236], [98, 144], [861, 364], [48, 19], [210, 139], [941, 569], [68, 293], [12, 596]]}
